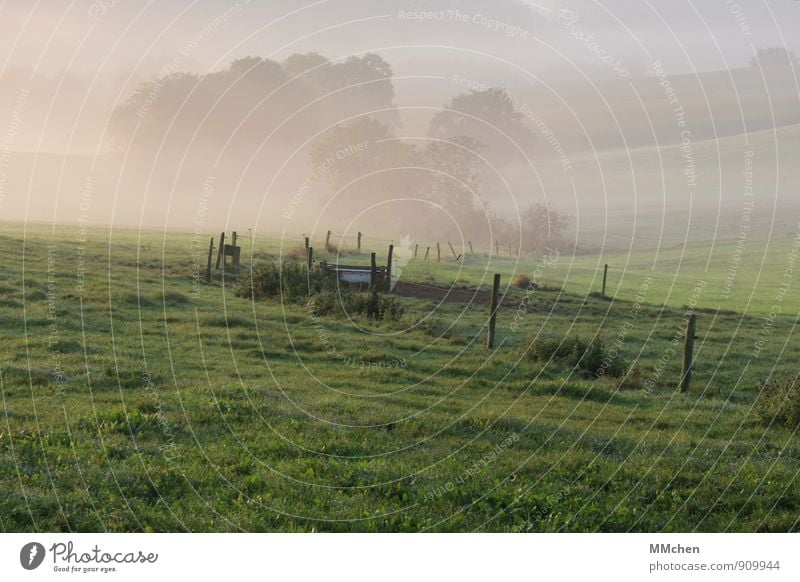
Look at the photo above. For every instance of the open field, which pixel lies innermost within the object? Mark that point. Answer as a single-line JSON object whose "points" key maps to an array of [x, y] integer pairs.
{"points": [[137, 399]]}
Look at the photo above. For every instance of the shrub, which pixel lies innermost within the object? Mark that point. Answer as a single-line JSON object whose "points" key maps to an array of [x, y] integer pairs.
{"points": [[288, 280], [778, 401], [525, 282], [292, 282], [522, 281], [390, 308], [591, 358], [298, 253], [344, 302]]}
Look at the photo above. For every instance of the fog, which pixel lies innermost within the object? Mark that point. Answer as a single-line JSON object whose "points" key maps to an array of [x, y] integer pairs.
{"points": [[633, 121]]}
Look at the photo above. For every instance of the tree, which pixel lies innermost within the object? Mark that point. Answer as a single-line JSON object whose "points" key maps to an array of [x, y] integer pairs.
{"points": [[774, 56], [542, 227], [349, 150], [242, 104], [489, 117], [364, 165], [309, 63], [451, 179]]}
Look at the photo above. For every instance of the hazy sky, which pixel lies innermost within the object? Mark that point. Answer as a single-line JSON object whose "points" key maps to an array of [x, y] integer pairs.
{"points": [[65, 66], [102, 36]]}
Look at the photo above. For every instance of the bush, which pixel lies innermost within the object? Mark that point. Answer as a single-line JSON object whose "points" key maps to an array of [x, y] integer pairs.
{"points": [[298, 253], [346, 303], [390, 308], [525, 282], [778, 401], [522, 281], [288, 280], [591, 358]]}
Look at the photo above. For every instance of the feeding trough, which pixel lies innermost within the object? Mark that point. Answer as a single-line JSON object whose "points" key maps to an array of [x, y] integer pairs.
{"points": [[359, 275]]}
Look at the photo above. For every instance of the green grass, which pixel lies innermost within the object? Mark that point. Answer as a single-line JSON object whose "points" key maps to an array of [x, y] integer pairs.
{"points": [[146, 402]]}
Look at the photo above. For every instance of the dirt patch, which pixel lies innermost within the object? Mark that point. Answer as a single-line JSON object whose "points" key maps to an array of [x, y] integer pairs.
{"points": [[465, 296], [441, 294]]}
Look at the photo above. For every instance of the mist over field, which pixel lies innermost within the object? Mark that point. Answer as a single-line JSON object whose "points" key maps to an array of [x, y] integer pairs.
{"points": [[621, 116]]}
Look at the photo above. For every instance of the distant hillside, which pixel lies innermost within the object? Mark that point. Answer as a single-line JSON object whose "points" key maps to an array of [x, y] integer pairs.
{"points": [[635, 113], [643, 196], [630, 113]]}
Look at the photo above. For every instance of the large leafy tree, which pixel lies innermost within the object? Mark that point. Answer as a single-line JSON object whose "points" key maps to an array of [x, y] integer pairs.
{"points": [[243, 103], [489, 117], [452, 180], [774, 56], [364, 164]]}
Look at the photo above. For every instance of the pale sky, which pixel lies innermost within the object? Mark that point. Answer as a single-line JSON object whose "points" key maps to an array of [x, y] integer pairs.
{"points": [[102, 36]]}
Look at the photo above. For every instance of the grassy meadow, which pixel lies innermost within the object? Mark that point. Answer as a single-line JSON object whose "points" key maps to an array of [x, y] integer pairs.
{"points": [[137, 398]]}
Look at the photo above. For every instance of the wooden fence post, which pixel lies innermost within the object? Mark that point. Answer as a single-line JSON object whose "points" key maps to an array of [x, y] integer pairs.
{"points": [[389, 268], [310, 257], [688, 353], [210, 254], [416, 248], [470, 248], [328, 241], [452, 250], [307, 243], [358, 244], [221, 250], [493, 312], [236, 257], [605, 276], [373, 270], [427, 251], [438, 253]]}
